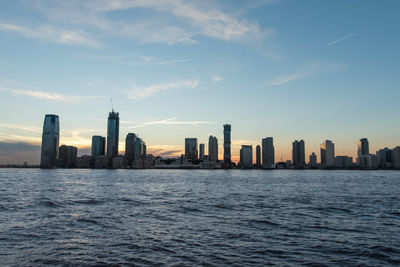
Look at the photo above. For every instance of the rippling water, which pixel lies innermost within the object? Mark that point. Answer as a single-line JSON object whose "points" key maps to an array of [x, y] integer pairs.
{"points": [[212, 218]]}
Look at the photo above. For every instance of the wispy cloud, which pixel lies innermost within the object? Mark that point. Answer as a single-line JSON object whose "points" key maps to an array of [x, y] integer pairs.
{"points": [[309, 71], [217, 78], [143, 92], [34, 129], [170, 121], [47, 95], [342, 38], [51, 33], [165, 150]]}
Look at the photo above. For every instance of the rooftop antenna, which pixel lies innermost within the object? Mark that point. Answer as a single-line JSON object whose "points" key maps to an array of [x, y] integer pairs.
{"points": [[112, 107]]}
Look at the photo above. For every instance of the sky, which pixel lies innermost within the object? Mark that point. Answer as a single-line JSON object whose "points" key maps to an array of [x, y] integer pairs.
{"points": [[288, 69]]}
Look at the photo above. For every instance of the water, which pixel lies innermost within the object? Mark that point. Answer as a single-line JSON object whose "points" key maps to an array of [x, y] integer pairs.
{"points": [[210, 218]]}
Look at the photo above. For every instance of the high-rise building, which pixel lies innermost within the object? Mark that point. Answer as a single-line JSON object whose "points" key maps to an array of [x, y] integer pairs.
{"points": [[130, 141], [213, 148], [328, 154], [201, 155], [268, 153], [363, 147], [384, 157], [313, 160], [191, 148], [50, 140], [298, 153], [98, 146], [227, 146], [246, 157], [68, 156], [396, 157], [112, 134], [258, 156]]}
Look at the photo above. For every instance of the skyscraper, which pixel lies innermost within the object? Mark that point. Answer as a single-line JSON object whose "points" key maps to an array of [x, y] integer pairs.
{"points": [[313, 160], [50, 140], [98, 146], [268, 153], [298, 153], [362, 152], [328, 153], [112, 134], [201, 155], [213, 148], [191, 148], [227, 146], [246, 157], [258, 156], [130, 148]]}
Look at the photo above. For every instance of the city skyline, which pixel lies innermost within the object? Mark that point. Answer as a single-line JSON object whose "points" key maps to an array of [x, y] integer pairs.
{"points": [[258, 66]]}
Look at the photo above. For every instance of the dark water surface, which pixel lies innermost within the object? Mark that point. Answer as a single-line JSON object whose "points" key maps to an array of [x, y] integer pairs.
{"points": [[211, 218]]}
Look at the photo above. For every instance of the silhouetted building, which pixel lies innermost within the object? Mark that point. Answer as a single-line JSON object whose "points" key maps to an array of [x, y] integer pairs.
{"points": [[298, 153], [130, 141], [363, 149], [368, 161], [201, 147], [313, 160], [258, 156], [328, 154], [246, 157], [343, 162], [191, 148], [50, 140], [384, 157], [112, 134], [396, 157], [268, 153], [213, 148], [98, 146], [68, 156], [227, 146]]}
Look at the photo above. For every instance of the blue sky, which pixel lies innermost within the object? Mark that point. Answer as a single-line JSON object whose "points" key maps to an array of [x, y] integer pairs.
{"points": [[311, 70]]}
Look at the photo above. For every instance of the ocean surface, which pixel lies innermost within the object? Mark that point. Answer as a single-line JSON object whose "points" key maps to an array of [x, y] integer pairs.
{"points": [[199, 218]]}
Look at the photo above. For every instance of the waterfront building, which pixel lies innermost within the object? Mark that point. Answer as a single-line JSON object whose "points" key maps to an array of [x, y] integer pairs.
{"points": [[246, 157], [384, 157], [343, 162], [268, 153], [98, 146], [84, 161], [213, 148], [313, 160], [201, 155], [130, 141], [298, 153], [328, 153], [67, 156], [396, 157], [227, 146], [191, 152], [362, 149], [112, 134], [258, 156], [50, 140]]}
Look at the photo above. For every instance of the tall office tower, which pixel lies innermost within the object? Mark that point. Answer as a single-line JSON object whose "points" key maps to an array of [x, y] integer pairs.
{"points": [[191, 148], [328, 153], [201, 155], [363, 147], [258, 156], [313, 160], [213, 148], [50, 139], [298, 153], [130, 141], [112, 134], [68, 156], [140, 149], [227, 146], [98, 146], [268, 153], [246, 157]]}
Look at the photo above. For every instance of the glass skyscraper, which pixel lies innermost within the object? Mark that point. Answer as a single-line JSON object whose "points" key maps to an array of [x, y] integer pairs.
{"points": [[98, 146], [268, 153], [50, 141], [112, 134]]}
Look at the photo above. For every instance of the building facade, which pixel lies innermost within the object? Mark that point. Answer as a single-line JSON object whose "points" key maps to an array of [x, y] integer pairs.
{"points": [[227, 146], [328, 154], [68, 156], [112, 134], [258, 156], [201, 148], [98, 146], [298, 153], [246, 157], [213, 148], [384, 157], [313, 160], [191, 152], [268, 153], [50, 141]]}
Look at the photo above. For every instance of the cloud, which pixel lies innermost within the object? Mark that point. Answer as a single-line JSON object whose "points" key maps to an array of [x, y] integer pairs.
{"points": [[47, 95], [342, 38], [19, 152], [21, 127], [217, 78], [144, 92], [171, 121], [51, 33], [165, 150], [309, 71]]}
